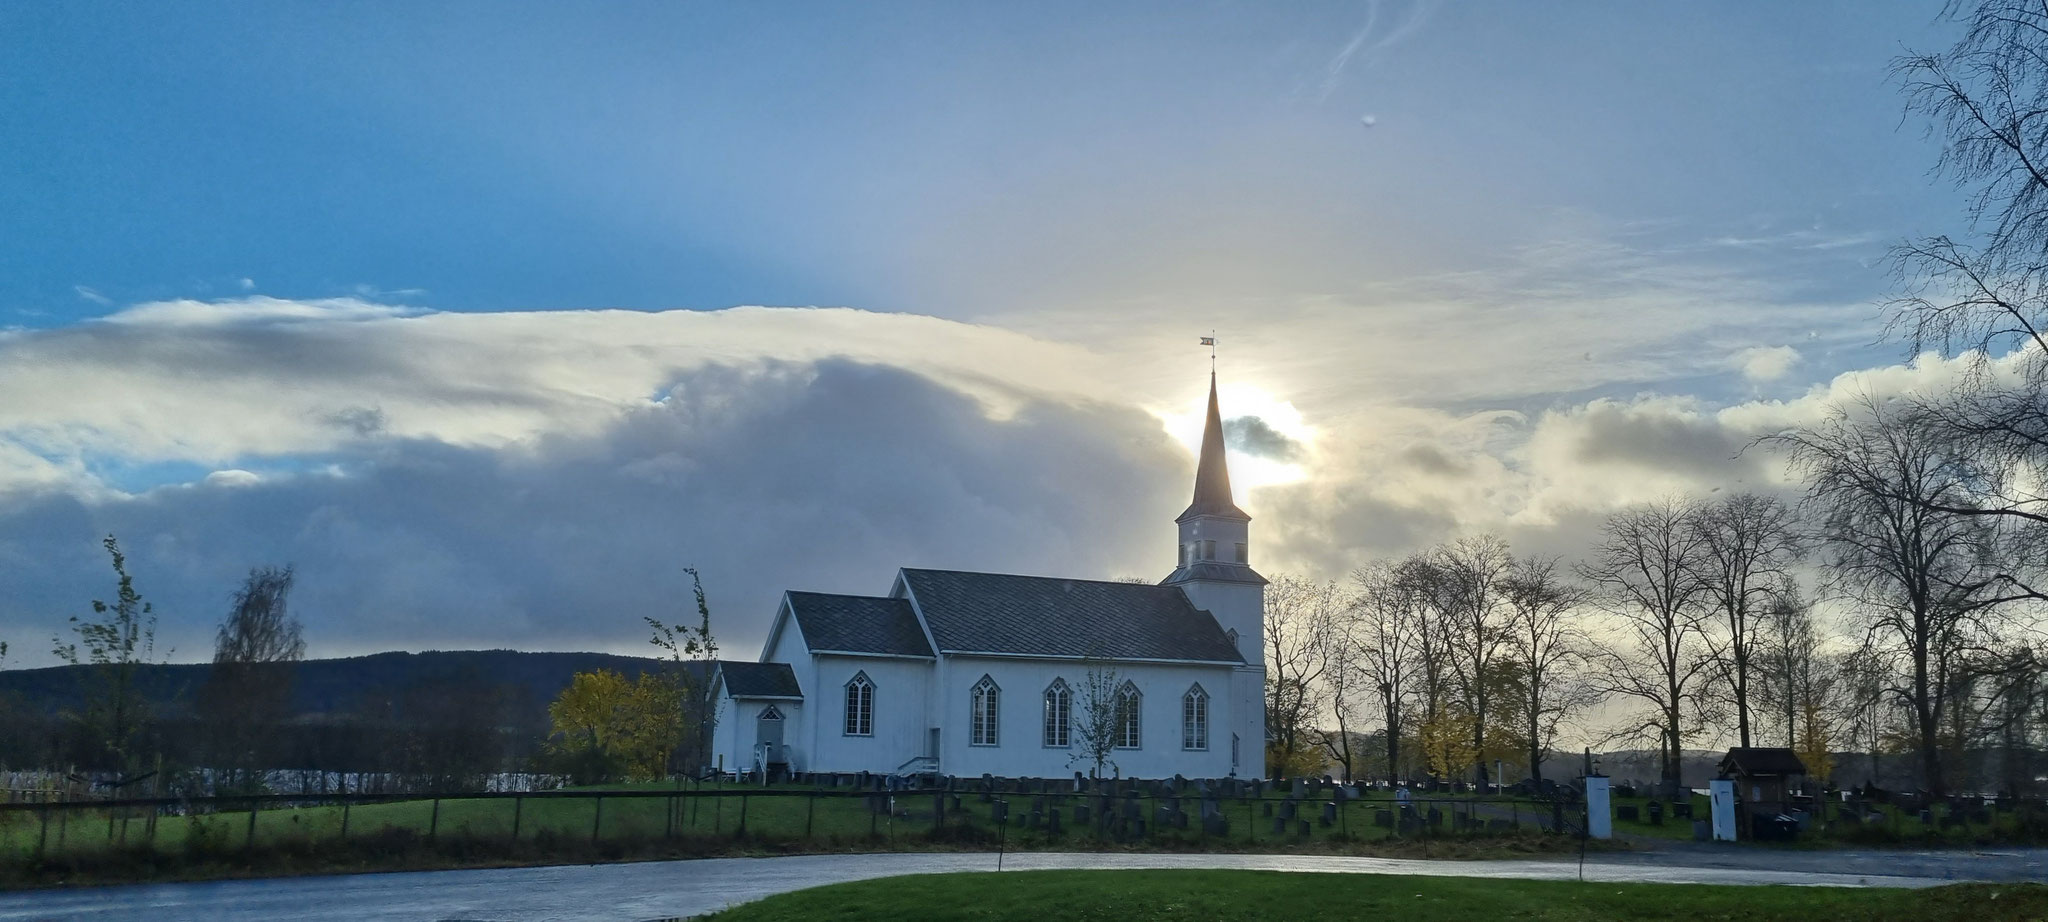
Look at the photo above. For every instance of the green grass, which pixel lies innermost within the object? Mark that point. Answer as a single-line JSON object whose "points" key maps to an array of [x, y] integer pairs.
{"points": [[1171, 896], [826, 822], [97, 846]]}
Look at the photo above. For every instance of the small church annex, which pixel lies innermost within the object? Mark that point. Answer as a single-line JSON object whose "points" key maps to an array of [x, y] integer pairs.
{"points": [[966, 674]]}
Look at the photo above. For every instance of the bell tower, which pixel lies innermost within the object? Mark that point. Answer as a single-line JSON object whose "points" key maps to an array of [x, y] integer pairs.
{"points": [[1215, 571]]}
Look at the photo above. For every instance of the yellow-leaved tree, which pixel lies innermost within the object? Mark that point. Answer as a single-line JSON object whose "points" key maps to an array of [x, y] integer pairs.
{"points": [[608, 728]]}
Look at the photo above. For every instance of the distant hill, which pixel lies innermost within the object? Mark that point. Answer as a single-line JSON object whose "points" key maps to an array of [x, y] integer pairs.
{"points": [[333, 686]]}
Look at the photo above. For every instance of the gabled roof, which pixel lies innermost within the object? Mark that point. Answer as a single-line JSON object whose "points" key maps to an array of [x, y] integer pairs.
{"points": [[1047, 616], [759, 680], [858, 624], [1212, 474], [1759, 760]]}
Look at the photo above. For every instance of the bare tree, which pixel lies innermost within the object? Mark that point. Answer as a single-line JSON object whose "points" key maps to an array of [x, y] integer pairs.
{"points": [[1878, 475], [1474, 573], [1546, 649], [1098, 717], [1343, 676], [1645, 573], [116, 644], [1985, 300], [248, 690], [686, 670], [1298, 614], [1746, 541], [1387, 623]]}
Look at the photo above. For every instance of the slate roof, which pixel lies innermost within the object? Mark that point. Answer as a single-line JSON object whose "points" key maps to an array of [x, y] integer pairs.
{"points": [[1048, 616], [1759, 760], [858, 624], [759, 680]]}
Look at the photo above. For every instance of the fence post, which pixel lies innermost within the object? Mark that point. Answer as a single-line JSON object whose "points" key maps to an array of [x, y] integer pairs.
{"points": [[597, 819], [518, 805], [249, 840], [741, 832], [434, 820], [668, 818], [345, 805], [43, 839], [810, 812]]}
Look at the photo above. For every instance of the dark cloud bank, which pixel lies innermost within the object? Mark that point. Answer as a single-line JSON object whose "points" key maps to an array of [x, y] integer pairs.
{"points": [[821, 477]]}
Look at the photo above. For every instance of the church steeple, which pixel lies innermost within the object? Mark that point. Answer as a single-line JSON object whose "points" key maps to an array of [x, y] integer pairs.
{"points": [[1212, 472]]}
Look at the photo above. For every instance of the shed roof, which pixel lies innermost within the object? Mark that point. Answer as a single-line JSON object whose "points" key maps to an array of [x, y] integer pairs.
{"points": [[759, 680], [1756, 761]]}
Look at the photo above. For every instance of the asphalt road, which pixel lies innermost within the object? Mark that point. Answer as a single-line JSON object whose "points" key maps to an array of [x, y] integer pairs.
{"points": [[669, 889]]}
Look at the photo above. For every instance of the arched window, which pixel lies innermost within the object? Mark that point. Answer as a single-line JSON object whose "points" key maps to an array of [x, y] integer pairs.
{"points": [[1194, 719], [1059, 713], [860, 706], [1127, 707], [982, 730]]}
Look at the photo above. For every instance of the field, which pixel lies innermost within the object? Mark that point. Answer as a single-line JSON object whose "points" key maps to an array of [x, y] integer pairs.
{"points": [[655, 821], [1246, 896]]}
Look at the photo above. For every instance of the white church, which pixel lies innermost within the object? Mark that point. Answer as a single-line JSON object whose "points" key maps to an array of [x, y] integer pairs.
{"points": [[965, 674]]}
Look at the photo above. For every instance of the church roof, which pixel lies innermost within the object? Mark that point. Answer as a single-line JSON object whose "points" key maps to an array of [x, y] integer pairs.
{"points": [[759, 680], [858, 624], [1212, 474], [1047, 616]]}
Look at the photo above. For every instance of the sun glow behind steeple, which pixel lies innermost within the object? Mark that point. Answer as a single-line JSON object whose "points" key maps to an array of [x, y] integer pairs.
{"points": [[1249, 469]]}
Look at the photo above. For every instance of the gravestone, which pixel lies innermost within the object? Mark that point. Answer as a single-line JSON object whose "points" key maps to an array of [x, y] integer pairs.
{"points": [[1681, 809], [1081, 814], [1627, 812], [1436, 818], [1384, 819], [1052, 821], [1656, 813], [1302, 829], [1279, 826], [1329, 817], [1300, 788], [999, 812], [1268, 807]]}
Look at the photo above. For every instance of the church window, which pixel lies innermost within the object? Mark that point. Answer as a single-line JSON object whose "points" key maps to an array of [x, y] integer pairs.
{"points": [[982, 729], [1128, 703], [771, 713], [1243, 553], [1208, 549], [1194, 719], [1059, 713], [860, 706]]}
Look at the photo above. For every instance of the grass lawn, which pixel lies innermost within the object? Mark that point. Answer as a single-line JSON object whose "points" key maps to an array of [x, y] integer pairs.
{"points": [[1170, 896]]}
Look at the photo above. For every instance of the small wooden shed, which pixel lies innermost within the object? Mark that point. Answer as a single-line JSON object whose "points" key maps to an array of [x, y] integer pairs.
{"points": [[1765, 777]]}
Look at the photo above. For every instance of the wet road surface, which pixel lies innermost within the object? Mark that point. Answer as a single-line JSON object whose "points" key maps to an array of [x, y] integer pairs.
{"points": [[668, 889]]}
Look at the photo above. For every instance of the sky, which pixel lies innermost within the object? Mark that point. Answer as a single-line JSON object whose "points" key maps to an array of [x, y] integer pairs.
{"points": [[491, 319]]}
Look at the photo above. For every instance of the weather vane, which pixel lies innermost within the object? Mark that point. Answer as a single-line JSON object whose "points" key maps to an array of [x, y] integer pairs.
{"points": [[1210, 341]]}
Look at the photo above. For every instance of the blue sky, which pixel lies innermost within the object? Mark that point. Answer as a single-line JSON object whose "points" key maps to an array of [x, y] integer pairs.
{"points": [[447, 303], [950, 159]]}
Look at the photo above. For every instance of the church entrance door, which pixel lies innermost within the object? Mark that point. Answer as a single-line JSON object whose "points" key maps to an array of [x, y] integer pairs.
{"points": [[768, 738]]}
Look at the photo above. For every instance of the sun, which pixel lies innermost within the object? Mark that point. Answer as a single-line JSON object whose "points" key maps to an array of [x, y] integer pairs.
{"points": [[1248, 470]]}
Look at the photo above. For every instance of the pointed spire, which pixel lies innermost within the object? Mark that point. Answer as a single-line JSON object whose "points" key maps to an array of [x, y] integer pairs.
{"points": [[1212, 474]]}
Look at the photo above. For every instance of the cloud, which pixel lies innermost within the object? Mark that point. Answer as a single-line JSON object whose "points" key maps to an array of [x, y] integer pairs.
{"points": [[823, 475], [1252, 435], [1766, 363], [536, 479], [91, 294]]}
